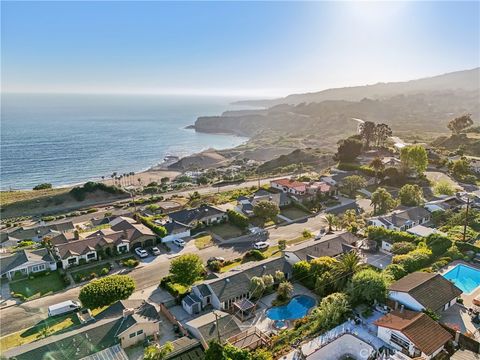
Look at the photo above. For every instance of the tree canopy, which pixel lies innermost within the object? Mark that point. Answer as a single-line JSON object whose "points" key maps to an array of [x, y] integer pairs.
{"points": [[186, 269], [411, 195], [352, 183], [104, 291], [349, 149], [460, 123], [414, 158], [367, 286], [382, 201], [265, 209]]}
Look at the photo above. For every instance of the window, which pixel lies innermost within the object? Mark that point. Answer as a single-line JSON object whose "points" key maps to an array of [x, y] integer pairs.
{"points": [[122, 248], [72, 261], [394, 338], [139, 332], [37, 268], [132, 335], [91, 255]]}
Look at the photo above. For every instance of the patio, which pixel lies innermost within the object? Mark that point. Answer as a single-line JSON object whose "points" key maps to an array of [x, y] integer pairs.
{"points": [[458, 317]]}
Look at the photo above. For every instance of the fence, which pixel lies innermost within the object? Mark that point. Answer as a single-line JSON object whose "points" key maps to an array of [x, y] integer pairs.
{"points": [[170, 317], [463, 341]]}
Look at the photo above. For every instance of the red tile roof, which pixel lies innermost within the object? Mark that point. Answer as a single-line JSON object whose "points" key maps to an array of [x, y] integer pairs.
{"points": [[422, 330], [290, 184]]}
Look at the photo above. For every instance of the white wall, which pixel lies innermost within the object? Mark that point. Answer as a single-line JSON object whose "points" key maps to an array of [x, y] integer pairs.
{"points": [[386, 246], [405, 299]]}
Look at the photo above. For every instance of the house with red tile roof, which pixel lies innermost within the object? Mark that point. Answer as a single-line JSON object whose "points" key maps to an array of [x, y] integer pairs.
{"points": [[289, 186], [413, 333]]}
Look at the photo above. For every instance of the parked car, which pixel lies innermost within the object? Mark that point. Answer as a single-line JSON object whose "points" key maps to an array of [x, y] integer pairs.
{"points": [[155, 251], [64, 307], [179, 242], [261, 245], [320, 234], [215, 258], [141, 252]]}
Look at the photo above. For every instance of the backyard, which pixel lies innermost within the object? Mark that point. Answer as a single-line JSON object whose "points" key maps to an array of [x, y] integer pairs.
{"points": [[38, 286]]}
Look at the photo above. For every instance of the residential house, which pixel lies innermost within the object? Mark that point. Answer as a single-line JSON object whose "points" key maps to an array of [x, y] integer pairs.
{"points": [[322, 188], [126, 323], [401, 220], [289, 186], [213, 325], [124, 235], [420, 291], [222, 292], [453, 202], [414, 333], [245, 204], [175, 230], [424, 231], [204, 214], [329, 245], [36, 233], [26, 262], [62, 227], [165, 207], [390, 161]]}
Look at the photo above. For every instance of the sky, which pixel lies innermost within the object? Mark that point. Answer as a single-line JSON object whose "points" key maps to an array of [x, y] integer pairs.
{"points": [[246, 49]]}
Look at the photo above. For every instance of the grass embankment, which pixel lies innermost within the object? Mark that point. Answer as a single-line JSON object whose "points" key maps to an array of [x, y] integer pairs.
{"points": [[44, 328], [38, 286]]}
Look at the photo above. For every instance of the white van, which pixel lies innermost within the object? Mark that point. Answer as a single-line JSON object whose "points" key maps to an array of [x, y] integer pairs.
{"points": [[63, 308]]}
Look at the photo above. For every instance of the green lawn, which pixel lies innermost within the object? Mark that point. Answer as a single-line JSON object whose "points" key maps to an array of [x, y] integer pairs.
{"points": [[85, 274], [47, 327], [293, 213], [39, 286], [203, 241], [226, 231]]}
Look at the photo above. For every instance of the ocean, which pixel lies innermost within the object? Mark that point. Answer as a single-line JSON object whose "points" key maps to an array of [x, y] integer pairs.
{"points": [[69, 139]]}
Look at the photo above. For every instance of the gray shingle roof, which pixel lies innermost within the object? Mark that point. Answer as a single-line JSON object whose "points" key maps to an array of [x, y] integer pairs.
{"points": [[186, 349], [174, 227], [22, 258], [188, 216], [207, 326]]}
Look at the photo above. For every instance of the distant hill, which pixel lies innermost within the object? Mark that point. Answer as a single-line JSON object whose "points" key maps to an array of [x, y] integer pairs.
{"points": [[466, 80]]}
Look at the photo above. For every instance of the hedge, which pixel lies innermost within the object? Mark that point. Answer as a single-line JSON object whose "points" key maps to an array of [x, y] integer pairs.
{"points": [[237, 219], [104, 291], [414, 260], [157, 229], [379, 233]]}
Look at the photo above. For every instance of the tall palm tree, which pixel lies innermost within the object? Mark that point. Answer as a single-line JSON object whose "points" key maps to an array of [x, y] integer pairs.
{"points": [[378, 166], [331, 221], [347, 266]]}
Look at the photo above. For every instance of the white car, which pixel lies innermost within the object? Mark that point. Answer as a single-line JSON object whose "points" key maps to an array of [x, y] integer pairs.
{"points": [[261, 245], [140, 252], [155, 251], [179, 242]]}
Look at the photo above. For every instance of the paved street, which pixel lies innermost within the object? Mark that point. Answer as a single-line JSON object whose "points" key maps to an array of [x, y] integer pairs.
{"points": [[21, 317]]}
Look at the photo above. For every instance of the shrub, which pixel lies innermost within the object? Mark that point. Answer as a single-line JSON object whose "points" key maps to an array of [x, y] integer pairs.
{"points": [[82, 262], [402, 247], [254, 255], [215, 265], [157, 229], [437, 265], [414, 260], [79, 193], [439, 244], [104, 271], [237, 219], [104, 291], [43, 186], [301, 272], [379, 233], [396, 271], [131, 263]]}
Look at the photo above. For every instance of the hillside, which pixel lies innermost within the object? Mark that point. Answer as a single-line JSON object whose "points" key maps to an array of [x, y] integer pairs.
{"points": [[306, 157], [466, 80]]}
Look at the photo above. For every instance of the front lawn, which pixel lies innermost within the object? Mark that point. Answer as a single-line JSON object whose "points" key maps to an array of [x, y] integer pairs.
{"points": [[203, 241], [293, 213], [91, 272], [38, 286], [44, 328], [226, 231]]}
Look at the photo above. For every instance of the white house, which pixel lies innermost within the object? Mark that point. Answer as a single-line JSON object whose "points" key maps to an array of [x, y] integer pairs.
{"points": [[289, 186], [413, 333], [26, 262], [420, 291], [402, 220]]}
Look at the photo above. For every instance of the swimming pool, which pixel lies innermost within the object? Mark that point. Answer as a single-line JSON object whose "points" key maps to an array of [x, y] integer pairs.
{"points": [[464, 277], [297, 308]]}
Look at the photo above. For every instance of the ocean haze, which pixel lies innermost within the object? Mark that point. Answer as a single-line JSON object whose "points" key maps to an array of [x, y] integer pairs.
{"points": [[66, 139]]}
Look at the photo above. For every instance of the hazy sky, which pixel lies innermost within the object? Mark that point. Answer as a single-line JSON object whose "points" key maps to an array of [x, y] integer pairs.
{"points": [[231, 48]]}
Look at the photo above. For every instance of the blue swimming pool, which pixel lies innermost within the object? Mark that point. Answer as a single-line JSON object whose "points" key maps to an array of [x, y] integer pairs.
{"points": [[464, 277], [297, 308]]}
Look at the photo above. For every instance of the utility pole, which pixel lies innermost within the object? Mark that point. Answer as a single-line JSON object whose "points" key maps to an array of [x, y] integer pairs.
{"points": [[216, 325], [466, 220]]}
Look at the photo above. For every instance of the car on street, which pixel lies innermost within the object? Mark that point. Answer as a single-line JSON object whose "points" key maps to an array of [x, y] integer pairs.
{"points": [[260, 245], [141, 252], [179, 242], [320, 234], [216, 258], [155, 251]]}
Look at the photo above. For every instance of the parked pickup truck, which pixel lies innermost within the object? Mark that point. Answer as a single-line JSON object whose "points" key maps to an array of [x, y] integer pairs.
{"points": [[64, 307]]}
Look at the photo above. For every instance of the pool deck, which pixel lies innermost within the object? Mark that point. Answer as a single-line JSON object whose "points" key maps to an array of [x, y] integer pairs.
{"points": [[467, 298]]}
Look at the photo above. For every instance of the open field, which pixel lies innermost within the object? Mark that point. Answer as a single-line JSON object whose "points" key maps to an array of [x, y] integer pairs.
{"points": [[10, 197], [38, 286]]}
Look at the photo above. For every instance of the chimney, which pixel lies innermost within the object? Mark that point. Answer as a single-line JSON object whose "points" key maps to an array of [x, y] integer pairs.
{"points": [[401, 309], [128, 312]]}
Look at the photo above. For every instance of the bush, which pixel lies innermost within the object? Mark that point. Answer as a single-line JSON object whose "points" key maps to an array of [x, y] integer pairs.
{"points": [[237, 219], [402, 247], [104, 271], [79, 193], [131, 263], [215, 265], [396, 271], [157, 229], [256, 255], [66, 280], [439, 244], [379, 233], [437, 265], [414, 260], [104, 291], [43, 186], [82, 262]]}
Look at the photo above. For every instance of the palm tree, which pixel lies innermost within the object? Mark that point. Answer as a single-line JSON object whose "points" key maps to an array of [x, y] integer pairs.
{"points": [[346, 267], [154, 352], [331, 221], [378, 166]]}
